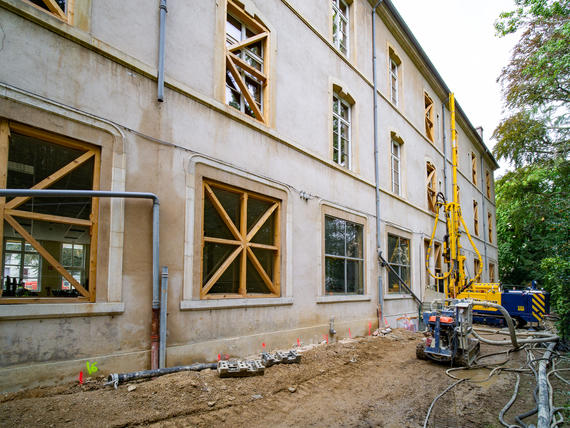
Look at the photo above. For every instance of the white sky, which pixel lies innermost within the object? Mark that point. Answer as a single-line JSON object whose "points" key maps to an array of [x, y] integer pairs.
{"points": [[459, 38]]}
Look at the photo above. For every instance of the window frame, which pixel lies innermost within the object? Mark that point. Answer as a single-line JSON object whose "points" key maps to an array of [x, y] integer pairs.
{"points": [[475, 218], [491, 272], [431, 186], [339, 101], [244, 244], [338, 16], [474, 168], [22, 264], [53, 9], [400, 291], [488, 183], [9, 213], [239, 69], [345, 258], [398, 158], [394, 81], [490, 226], [429, 118]]}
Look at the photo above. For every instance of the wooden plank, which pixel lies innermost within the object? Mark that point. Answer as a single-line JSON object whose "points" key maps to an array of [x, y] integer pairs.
{"points": [[245, 43], [260, 270], [222, 212], [4, 146], [245, 66], [243, 232], [261, 222], [16, 202], [94, 217], [241, 15], [46, 255], [263, 246], [221, 241], [243, 88], [277, 258], [239, 191], [55, 9], [220, 271], [48, 217], [19, 128]]}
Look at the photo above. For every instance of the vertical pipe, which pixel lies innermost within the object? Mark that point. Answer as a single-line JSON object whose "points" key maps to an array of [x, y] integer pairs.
{"points": [[161, 37], [454, 244], [163, 313], [154, 337], [444, 149], [376, 167], [484, 214]]}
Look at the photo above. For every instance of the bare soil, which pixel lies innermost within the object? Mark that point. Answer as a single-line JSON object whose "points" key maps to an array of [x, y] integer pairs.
{"points": [[371, 381]]}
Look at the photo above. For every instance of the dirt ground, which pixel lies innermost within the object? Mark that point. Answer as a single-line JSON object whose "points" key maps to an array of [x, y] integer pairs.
{"points": [[370, 381]]}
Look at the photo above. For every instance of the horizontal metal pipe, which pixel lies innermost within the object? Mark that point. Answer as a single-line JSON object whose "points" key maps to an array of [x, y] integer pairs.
{"points": [[116, 378], [50, 193]]}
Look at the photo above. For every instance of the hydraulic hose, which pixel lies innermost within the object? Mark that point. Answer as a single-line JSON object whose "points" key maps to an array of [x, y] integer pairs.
{"points": [[114, 379]]}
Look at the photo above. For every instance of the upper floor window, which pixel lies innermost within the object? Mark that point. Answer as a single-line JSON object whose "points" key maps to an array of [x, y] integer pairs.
{"points": [[340, 25], [476, 218], [396, 162], [341, 131], [428, 113], [474, 168], [399, 260], [59, 8], [247, 41], [344, 256], [488, 183], [241, 243], [394, 81], [431, 186], [490, 226], [491, 272]]}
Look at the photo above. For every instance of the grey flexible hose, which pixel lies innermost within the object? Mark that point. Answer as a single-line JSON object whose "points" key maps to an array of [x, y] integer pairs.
{"points": [[509, 404], [438, 397]]}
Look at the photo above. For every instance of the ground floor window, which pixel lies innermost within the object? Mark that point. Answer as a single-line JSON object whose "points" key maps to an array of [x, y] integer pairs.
{"points": [[399, 260], [241, 243], [344, 256], [48, 249]]}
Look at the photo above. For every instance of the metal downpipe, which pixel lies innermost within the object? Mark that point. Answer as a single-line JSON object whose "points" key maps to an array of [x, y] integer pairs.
{"points": [[155, 240], [377, 168], [163, 313], [161, 37]]}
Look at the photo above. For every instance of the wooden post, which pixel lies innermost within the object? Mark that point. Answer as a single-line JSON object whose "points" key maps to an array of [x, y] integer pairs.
{"points": [[4, 144]]}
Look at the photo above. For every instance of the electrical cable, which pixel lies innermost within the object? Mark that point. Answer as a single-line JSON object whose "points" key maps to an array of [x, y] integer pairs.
{"points": [[438, 397]]}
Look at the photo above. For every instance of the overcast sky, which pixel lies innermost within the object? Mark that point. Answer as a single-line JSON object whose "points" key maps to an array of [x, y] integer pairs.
{"points": [[459, 38]]}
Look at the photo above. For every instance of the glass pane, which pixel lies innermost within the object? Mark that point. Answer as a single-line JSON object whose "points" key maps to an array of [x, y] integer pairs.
{"points": [[393, 284], [334, 275], [29, 248], [266, 259], [214, 227], [233, 98], [12, 258], [78, 256], [344, 131], [233, 29], [353, 240], [255, 210], [344, 110], [335, 104], [66, 254], [13, 245], [254, 89], [229, 281], [354, 277], [214, 255], [254, 283], [231, 202], [266, 235], [255, 49], [335, 155], [334, 236], [335, 141]]}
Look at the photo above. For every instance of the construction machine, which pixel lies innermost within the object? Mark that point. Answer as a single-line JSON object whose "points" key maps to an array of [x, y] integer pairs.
{"points": [[450, 326]]}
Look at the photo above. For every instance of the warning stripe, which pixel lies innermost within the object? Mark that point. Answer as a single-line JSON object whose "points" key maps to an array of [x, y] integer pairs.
{"points": [[537, 316], [537, 302], [539, 297], [537, 309]]}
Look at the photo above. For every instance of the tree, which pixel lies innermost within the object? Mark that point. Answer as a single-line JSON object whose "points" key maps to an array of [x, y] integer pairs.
{"points": [[533, 200]]}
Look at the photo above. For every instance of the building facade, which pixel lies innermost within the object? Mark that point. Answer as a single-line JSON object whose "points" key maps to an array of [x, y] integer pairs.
{"points": [[262, 156]]}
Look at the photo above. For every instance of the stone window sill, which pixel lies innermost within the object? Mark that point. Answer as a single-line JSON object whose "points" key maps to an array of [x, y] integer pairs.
{"points": [[59, 310], [339, 298]]}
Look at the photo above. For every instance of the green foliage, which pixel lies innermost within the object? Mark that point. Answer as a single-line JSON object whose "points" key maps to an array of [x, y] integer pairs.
{"points": [[557, 282], [527, 10]]}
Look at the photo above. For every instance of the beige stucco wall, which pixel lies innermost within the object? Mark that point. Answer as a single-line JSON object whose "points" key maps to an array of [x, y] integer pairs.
{"points": [[98, 87]]}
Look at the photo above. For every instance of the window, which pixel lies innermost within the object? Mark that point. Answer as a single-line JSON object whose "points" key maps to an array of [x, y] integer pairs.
{"points": [[431, 186], [340, 25], [490, 226], [476, 218], [399, 260], [474, 168], [247, 42], [396, 182], [49, 243], [428, 113], [341, 131], [241, 243], [59, 8], [491, 272], [488, 183], [476, 266], [394, 82], [344, 257]]}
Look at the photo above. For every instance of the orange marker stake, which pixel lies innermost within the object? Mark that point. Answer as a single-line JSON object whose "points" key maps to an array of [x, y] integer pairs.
{"points": [[263, 345], [219, 357], [369, 329], [298, 343], [81, 378], [349, 335]]}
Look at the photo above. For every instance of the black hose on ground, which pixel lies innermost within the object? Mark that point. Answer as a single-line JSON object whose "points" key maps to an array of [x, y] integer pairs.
{"points": [[116, 378]]}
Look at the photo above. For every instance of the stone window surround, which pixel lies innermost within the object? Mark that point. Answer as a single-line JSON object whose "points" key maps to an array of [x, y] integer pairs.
{"points": [[403, 233]]}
